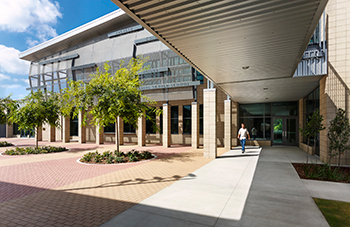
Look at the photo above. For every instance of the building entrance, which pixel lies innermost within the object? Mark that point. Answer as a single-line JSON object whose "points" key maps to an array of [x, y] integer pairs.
{"points": [[285, 131]]}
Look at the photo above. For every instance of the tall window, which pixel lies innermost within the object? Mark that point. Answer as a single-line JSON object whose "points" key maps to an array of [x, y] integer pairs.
{"points": [[311, 104], [201, 119], [186, 119], [129, 128], [174, 120], [151, 126], [110, 128]]}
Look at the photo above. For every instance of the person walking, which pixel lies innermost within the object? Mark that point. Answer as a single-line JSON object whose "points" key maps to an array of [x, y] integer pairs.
{"points": [[242, 136]]}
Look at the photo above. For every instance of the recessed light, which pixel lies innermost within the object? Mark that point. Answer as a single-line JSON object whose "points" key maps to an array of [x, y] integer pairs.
{"points": [[245, 67]]}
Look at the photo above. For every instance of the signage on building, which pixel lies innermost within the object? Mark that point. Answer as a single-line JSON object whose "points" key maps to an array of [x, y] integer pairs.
{"points": [[170, 85], [125, 31]]}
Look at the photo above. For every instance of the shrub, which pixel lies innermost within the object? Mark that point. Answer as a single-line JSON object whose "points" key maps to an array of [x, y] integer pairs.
{"points": [[5, 144], [118, 157], [31, 150]]}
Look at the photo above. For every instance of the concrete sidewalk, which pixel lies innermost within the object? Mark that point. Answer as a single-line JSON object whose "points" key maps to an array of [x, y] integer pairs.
{"points": [[213, 193], [221, 194], [328, 190]]}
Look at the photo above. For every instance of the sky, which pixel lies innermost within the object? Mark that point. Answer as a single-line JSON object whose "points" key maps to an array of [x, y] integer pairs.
{"points": [[27, 23]]}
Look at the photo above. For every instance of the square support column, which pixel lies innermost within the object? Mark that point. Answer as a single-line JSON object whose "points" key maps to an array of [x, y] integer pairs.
{"points": [[9, 131], [66, 129], [120, 127], [195, 125], [81, 128], [38, 134], [51, 133], [166, 126], [99, 135], [228, 124], [209, 109], [141, 132]]}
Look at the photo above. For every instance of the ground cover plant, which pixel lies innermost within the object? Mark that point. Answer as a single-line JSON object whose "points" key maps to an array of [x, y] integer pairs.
{"points": [[110, 157], [5, 144], [323, 172], [336, 213], [31, 150]]}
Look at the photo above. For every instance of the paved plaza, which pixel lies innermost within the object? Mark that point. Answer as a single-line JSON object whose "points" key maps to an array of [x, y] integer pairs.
{"points": [[179, 188]]}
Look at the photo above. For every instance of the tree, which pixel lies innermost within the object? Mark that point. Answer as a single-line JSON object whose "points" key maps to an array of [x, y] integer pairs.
{"points": [[107, 97], [312, 128], [36, 109], [6, 104], [338, 135]]}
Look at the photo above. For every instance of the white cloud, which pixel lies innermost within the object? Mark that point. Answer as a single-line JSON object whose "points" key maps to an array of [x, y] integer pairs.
{"points": [[10, 62], [26, 81], [9, 86], [36, 16], [4, 77]]}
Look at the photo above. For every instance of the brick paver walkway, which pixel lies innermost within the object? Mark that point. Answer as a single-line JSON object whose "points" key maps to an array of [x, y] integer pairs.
{"points": [[55, 190]]}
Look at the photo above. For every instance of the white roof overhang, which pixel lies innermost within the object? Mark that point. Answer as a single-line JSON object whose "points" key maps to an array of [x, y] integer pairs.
{"points": [[220, 38]]}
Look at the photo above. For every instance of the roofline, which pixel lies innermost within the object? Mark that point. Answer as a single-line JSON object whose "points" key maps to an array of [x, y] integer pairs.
{"points": [[115, 14]]}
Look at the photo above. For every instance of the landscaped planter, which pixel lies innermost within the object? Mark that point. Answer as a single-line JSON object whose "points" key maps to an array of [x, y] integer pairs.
{"points": [[323, 172], [5, 144], [115, 157], [31, 150]]}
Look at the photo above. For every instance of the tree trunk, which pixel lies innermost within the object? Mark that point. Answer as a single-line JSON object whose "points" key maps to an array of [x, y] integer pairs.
{"points": [[339, 159], [37, 138], [314, 144], [307, 153], [117, 132]]}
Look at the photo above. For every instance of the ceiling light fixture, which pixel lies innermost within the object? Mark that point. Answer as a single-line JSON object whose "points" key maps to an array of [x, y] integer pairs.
{"points": [[265, 88], [245, 67]]}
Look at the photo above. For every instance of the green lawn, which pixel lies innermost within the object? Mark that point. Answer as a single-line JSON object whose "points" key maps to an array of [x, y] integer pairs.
{"points": [[337, 213]]}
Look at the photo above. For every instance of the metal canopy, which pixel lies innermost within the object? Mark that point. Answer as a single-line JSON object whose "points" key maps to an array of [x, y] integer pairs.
{"points": [[237, 41]]}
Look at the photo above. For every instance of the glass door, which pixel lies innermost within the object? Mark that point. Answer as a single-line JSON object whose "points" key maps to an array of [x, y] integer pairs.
{"points": [[278, 131], [285, 131]]}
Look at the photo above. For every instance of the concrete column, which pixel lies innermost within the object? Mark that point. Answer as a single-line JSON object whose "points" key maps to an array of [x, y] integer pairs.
{"points": [[66, 129], [235, 123], [141, 131], [120, 128], [209, 109], [9, 131], [166, 126], [51, 131], [228, 124], [81, 128], [99, 135], [195, 125], [38, 132]]}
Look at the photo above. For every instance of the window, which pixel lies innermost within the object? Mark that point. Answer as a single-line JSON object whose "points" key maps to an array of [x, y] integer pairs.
{"points": [[129, 128], [151, 126], [174, 120], [73, 126], [311, 104], [201, 119], [186, 119], [200, 77], [110, 128]]}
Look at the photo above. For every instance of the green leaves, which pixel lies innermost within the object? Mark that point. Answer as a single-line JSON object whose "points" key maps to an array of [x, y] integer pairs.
{"points": [[108, 96], [338, 134], [35, 110]]}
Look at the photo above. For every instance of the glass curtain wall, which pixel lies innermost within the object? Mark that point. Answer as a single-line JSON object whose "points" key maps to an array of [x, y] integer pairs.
{"points": [[257, 117]]}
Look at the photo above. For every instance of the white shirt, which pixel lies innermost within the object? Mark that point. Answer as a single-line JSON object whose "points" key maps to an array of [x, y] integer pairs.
{"points": [[243, 132]]}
